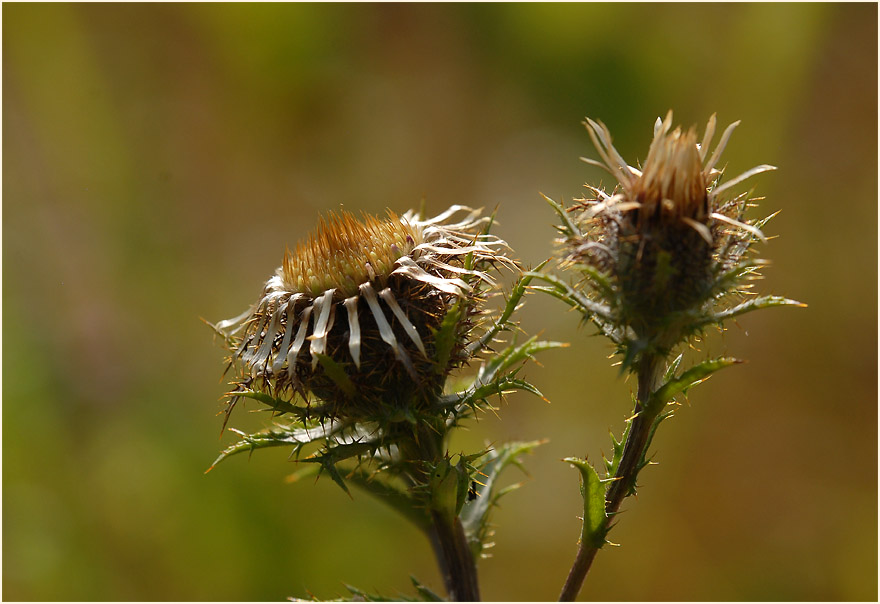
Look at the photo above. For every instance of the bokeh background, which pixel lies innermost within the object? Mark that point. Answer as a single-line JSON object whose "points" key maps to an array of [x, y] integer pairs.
{"points": [[157, 159]]}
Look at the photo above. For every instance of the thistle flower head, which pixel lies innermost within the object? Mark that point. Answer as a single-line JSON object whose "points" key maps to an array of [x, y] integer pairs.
{"points": [[353, 339], [352, 314], [666, 248]]}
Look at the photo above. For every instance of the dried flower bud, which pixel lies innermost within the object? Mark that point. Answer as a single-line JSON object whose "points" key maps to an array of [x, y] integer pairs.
{"points": [[352, 314], [666, 236]]}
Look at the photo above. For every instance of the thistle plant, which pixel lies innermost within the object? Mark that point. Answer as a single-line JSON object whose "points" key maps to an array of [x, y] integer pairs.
{"points": [[350, 346], [665, 255], [353, 340]]}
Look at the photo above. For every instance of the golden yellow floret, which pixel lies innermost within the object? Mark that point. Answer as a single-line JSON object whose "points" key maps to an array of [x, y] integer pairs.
{"points": [[344, 252]]}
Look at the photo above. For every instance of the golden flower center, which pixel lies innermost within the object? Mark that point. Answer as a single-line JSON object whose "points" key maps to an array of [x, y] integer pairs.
{"points": [[344, 252], [672, 177]]}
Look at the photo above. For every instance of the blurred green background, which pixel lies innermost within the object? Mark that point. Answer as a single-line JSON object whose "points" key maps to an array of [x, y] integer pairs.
{"points": [[157, 159]]}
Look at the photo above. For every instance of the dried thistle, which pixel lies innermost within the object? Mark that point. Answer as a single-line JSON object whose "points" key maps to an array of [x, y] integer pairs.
{"points": [[353, 339], [350, 316], [664, 255], [667, 252]]}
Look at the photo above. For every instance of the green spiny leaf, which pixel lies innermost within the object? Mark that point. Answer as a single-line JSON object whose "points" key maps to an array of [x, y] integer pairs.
{"points": [[753, 304], [471, 397], [673, 367], [570, 228], [333, 433], [330, 457], [328, 464], [276, 404], [617, 447], [595, 526], [556, 293], [251, 442], [584, 304], [688, 379], [503, 322], [475, 514], [512, 355]]}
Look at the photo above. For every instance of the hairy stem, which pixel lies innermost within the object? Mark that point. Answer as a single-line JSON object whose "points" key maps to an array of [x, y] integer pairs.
{"points": [[455, 559], [650, 369]]}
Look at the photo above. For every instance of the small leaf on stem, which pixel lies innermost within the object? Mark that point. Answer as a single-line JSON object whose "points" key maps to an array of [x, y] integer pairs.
{"points": [[595, 525]]}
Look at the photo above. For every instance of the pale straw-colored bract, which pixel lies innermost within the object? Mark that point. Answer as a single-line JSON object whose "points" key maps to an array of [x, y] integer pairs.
{"points": [[679, 178]]}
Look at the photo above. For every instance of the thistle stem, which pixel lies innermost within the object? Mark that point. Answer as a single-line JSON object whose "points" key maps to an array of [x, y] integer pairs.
{"points": [[448, 539], [637, 441], [455, 559]]}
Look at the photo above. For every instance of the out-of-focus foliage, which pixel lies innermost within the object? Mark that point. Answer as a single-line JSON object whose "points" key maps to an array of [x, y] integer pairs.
{"points": [[158, 158]]}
